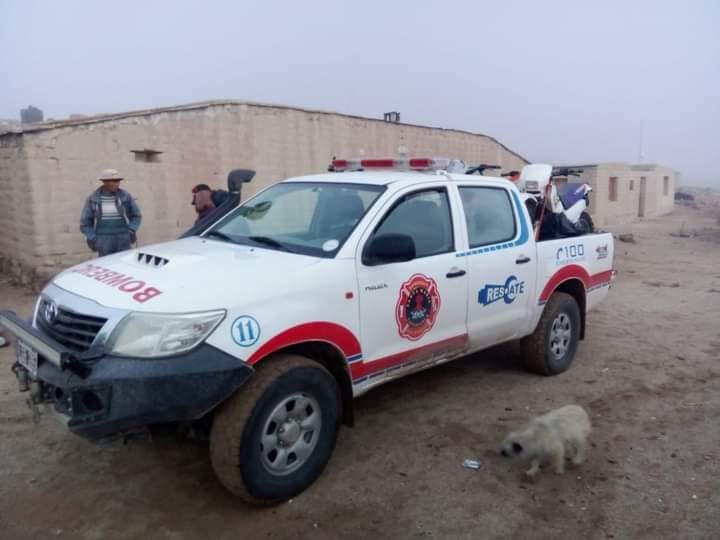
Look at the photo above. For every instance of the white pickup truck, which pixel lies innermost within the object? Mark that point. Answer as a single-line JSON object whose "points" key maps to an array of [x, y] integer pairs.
{"points": [[312, 292]]}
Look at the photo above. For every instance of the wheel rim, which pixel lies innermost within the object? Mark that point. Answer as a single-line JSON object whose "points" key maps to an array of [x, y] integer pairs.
{"points": [[290, 434], [560, 336]]}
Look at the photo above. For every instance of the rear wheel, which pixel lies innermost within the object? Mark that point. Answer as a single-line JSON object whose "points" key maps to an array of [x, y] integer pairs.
{"points": [[274, 437], [550, 349]]}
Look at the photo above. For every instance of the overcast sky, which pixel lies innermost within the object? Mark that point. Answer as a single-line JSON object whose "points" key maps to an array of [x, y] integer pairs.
{"points": [[560, 82]]}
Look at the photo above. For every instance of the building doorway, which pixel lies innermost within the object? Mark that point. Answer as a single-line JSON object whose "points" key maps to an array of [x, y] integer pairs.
{"points": [[641, 197]]}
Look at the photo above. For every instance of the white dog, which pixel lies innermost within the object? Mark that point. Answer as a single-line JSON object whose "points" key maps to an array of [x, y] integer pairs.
{"points": [[553, 437]]}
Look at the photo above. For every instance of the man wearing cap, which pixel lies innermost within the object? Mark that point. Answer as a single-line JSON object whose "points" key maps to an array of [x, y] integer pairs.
{"points": [[110, 217], [202, 201]]}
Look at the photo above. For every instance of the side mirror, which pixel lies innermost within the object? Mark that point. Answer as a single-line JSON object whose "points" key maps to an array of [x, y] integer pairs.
{"points": [[237, 177], [389, 248]]}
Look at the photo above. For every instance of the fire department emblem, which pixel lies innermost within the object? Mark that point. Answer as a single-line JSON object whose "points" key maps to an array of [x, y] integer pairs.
{"points": [[417, 307]]}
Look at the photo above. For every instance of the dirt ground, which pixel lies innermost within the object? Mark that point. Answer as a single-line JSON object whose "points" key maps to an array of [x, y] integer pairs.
{"points": [[648, 373]]}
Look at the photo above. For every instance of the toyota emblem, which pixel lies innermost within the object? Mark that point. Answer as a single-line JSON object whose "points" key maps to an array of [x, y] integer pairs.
{"points": [[50, 311]]}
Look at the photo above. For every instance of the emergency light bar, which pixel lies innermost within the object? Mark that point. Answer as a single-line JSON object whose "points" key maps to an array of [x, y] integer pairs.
{"points": [[398, 164]]}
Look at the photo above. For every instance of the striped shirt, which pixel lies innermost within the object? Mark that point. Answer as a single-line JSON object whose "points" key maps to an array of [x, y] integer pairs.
{"points": [[111, 221]]}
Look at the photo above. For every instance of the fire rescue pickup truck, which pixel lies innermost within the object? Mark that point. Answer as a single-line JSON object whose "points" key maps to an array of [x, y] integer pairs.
{"points": [[267, 324]]}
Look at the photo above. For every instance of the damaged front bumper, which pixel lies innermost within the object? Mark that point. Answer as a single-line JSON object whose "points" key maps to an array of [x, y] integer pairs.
{"points": [[98, 395]]}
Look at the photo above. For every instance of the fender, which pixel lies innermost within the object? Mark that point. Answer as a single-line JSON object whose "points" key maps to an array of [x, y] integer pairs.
{"points": [[334, 334], [573, 271]]}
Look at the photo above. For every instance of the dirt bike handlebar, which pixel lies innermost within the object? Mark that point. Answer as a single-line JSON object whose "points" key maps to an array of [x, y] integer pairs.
{"points": [[565, 171], [480, 169]]}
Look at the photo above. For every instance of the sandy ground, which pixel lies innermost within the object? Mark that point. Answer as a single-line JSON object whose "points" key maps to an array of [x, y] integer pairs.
{"points": [[648, 372]]}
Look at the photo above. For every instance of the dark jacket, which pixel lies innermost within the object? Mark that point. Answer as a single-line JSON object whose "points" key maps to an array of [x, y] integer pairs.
{"points": [[92, 212]]}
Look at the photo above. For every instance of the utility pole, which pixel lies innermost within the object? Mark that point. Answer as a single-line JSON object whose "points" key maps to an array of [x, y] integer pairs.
{"points": [[641, 155]]}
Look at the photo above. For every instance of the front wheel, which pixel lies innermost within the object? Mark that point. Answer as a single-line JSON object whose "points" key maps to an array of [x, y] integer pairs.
{"points": [[550, 349], [274, 437]]}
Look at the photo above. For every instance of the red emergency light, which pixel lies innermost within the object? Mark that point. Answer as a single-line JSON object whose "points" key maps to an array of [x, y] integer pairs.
{"points": [[398, 164], [421, 163], [377, 163]]}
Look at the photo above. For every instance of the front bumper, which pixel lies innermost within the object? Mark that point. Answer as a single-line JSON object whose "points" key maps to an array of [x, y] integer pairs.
{"points": [[105, 394]]}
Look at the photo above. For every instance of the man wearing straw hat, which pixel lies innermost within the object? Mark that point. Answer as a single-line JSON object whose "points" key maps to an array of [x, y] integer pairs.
{"points": [[110, 217]]}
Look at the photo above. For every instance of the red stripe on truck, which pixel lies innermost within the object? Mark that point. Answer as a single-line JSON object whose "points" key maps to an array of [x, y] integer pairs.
{"points": [[331, 333], [601, 278], [574, 271], [364, 368]]}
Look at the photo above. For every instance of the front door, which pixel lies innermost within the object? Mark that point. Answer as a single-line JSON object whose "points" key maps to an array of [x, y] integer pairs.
{"points": [[412, 312]]}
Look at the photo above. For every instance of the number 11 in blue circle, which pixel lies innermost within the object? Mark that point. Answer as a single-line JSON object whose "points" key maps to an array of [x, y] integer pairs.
{"points": [[245, 331]]}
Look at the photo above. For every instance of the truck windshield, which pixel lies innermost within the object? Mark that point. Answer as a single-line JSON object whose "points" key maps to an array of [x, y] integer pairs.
{"points": [[312, 218]]}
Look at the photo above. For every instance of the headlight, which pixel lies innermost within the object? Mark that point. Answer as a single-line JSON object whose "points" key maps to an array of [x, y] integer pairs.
{"points": [[153, 335], [35, 309]]}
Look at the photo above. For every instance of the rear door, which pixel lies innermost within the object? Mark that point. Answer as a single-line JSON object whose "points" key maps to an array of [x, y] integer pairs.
{"points": [[415, 311], [501, 263]]}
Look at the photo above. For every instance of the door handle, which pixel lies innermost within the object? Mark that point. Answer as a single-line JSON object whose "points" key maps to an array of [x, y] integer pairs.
{"points": [[522, 260], [455, 273]]}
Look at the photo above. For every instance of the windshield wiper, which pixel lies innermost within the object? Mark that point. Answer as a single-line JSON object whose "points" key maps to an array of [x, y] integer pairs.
{"points": [[221, 235], [270, 242]]}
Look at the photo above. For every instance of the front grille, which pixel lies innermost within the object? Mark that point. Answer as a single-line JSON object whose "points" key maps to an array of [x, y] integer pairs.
{"points": [[74, 330]]}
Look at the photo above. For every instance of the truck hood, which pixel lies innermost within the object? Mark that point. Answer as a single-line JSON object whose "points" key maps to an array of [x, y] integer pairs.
{"points": [[192, 274]]}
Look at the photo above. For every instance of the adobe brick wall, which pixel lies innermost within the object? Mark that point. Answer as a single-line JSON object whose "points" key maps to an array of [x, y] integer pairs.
{"points": [[629, 188], [17, 219], [47, 172], [659, 201], [625, 208]]}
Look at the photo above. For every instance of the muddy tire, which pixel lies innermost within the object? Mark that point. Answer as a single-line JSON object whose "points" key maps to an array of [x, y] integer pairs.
{"points": [[273, 438], [550, 349]]}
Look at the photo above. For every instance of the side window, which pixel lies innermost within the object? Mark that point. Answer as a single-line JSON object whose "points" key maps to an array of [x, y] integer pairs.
{"points": [[489, 215], [425, 217]]}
